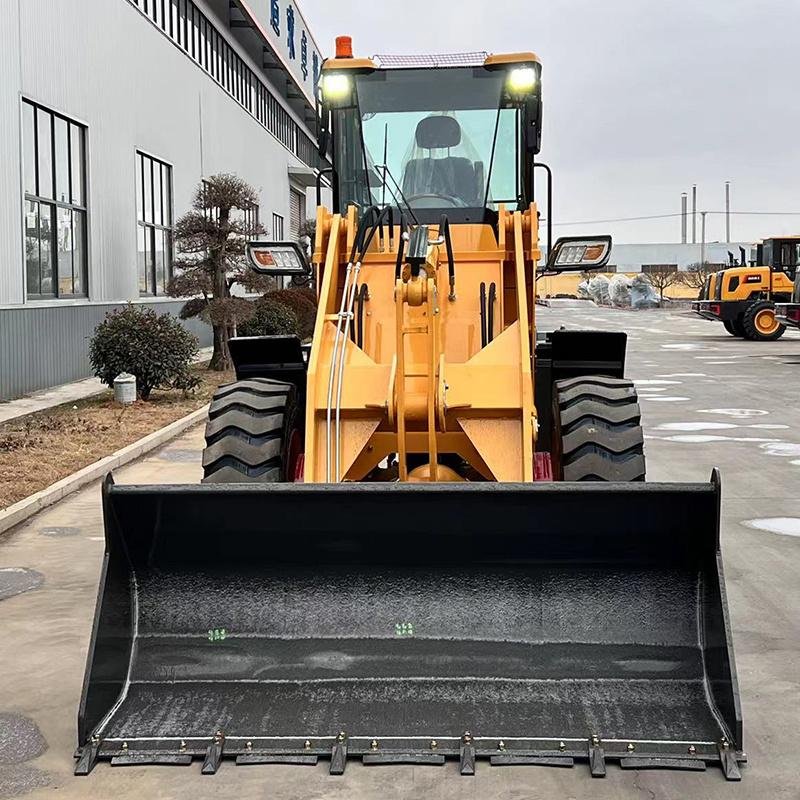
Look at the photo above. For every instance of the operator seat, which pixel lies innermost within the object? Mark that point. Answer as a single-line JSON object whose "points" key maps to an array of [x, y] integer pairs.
{"points": [[450, 176]]}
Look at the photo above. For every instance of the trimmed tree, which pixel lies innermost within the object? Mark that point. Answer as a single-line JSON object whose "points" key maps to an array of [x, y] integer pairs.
{"points": [[211, 241]]}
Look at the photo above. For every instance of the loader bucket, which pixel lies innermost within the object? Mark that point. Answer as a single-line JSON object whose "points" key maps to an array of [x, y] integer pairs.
{"points": [[399, 623]]}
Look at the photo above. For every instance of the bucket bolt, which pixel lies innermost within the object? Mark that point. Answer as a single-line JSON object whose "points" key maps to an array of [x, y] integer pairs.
{"points": [[342, 736], [183, 746], [467, 737], [307, 744], [562, 746], [124, 745], [595, 740], [725, 743], [248, 746], [631, 747], [692, 749], [95, 739], [373, 745], [434, 744], [501, 745]]}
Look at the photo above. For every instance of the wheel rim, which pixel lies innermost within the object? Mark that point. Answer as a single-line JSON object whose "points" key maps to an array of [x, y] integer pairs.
{"points": [[765, 322]]}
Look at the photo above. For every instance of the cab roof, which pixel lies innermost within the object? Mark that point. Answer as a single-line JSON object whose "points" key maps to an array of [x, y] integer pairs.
{"points": [[440, 61]]}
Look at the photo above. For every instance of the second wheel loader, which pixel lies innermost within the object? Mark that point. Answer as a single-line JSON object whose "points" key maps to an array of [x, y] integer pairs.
{"points": [[744, 298], [427, 536]]}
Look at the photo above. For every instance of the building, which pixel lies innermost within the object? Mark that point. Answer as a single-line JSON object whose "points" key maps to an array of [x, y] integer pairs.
{"points": [[632, 258], [112, 112]]}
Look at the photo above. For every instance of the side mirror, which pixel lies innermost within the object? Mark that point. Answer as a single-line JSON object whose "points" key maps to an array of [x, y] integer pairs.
{"points": [[278, 258], [579, 253]]}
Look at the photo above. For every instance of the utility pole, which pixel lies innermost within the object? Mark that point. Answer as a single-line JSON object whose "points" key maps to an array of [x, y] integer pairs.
{"points": [[694, 213], [684, 220], [728, 212], [703, 239]]}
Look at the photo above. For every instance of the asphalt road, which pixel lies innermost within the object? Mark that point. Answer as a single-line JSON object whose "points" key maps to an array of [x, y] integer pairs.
{"points": [[707, 399]]}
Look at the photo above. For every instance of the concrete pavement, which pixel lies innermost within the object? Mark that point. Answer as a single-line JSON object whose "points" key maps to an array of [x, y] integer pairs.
{"points": [[707, 399]]}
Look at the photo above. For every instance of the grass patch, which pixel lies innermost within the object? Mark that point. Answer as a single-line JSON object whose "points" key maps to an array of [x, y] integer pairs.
{"points": [[39, 449]]}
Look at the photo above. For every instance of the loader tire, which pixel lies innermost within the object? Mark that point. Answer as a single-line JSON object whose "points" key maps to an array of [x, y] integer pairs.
{"points": [[738, 327], [252, 434], [598, 433], [760, 324], [730, 327]]}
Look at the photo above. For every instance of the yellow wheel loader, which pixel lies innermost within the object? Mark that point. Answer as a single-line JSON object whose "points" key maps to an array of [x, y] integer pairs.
{"points": [[427, 536], [744, 298]]}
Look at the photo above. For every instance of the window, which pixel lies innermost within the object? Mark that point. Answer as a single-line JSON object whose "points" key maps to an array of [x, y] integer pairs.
{"points": [[250, 217], [54, 173], [297, 213], [154, 228], [657, 268], [277, 227], [452, 145], [211, 213]]}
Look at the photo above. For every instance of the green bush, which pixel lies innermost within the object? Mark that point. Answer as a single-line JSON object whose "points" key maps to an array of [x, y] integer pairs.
{"points": [[155, 348], [271, 319], [299, 302]]}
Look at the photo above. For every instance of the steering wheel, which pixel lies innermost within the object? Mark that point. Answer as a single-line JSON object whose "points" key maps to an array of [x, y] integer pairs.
{"points": [[453, 202]]}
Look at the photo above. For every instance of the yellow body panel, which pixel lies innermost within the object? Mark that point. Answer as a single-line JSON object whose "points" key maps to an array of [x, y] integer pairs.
{"points": [[421, 382], [753, 279]]}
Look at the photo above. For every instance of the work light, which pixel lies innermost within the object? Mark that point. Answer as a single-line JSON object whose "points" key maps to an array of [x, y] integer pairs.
{"points": [[336, 87], [522, 80]]}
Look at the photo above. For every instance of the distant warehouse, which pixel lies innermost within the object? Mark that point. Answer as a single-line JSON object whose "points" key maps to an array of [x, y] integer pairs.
{"points": [[111, 113], [677, 256]]}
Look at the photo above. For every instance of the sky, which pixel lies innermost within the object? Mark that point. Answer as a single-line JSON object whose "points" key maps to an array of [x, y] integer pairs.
{"points": [[642, 98]]}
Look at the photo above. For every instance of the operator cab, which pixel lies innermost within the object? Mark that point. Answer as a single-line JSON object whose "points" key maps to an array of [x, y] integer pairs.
{"points": [[456, 140], [782, 255]]}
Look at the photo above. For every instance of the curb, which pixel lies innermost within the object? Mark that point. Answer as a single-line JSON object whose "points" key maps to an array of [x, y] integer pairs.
{"points": [[26, 508]]}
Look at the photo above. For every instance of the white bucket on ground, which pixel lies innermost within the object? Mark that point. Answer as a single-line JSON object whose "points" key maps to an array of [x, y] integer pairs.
{"points": [[125, 388]]}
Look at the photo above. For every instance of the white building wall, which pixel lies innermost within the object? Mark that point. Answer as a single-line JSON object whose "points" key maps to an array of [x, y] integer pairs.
{"points": [[11, 266], [104, 64]]}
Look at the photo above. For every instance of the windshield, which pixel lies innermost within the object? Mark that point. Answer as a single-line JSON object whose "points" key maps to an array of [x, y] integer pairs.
{"points": [[446, 138]]}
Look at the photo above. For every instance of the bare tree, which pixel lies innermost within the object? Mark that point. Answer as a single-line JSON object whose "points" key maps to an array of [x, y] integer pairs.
{"points": [[662, 276], [211, 239], [696, 274]]}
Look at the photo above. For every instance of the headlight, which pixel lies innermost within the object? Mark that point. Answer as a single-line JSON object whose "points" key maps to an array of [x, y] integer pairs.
{"points": [[336, 87], [522, 80]]}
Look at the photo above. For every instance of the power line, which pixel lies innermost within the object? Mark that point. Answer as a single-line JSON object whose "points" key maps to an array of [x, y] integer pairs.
{"points": [[673, 216]]}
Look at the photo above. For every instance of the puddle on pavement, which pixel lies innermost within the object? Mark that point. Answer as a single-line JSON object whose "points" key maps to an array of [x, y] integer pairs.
{"points": [[665, 399], [691, 427], [782, 449], [706, 438], [59, 532], [18, 580], [738, 413], [21, 740], [785, 526]]}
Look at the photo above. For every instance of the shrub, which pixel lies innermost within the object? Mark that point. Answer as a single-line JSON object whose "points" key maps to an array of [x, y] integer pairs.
{"points": [[270, 319], [299, 302], [155, 348]]}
